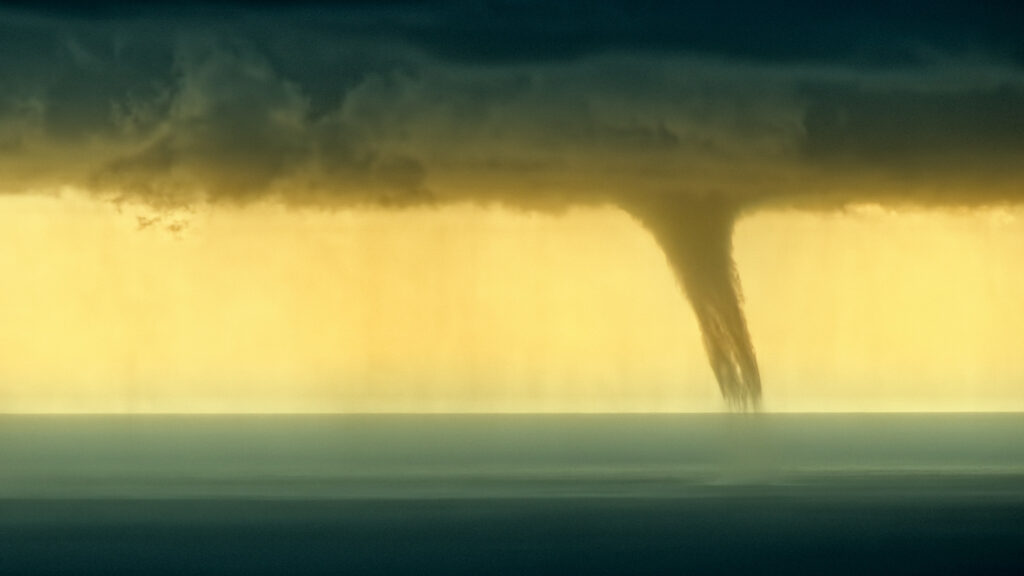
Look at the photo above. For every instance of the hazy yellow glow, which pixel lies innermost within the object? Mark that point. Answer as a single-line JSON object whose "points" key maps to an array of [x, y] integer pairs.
{"points": [[265, 309], [880, 310]]}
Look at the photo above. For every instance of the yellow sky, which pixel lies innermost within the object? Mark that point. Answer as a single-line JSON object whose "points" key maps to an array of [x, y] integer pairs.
{"points": [[887, 310], [265, 309]]}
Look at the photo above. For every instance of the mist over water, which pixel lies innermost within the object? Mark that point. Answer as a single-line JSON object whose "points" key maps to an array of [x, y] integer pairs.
{"points": [[510, 494], [455, 456], [734, 493]]}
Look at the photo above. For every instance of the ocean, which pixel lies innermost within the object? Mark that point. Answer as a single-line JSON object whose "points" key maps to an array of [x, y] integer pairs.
{"points": [[513, 494]]}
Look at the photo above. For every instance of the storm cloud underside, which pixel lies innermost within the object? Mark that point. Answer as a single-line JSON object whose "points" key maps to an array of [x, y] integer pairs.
{"points": [[685, 118]]}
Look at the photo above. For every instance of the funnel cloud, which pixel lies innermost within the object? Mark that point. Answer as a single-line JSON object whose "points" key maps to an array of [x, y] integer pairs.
{"points": [[696, 236], [686, 117]]}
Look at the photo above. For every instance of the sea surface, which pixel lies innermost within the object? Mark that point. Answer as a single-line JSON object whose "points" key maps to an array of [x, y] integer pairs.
{"points": [[513, 494]]}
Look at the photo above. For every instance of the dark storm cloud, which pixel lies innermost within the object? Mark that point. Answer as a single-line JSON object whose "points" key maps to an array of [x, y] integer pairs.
{"points": [[905, 125], [683, 115], [514, 30], [161, 112]]}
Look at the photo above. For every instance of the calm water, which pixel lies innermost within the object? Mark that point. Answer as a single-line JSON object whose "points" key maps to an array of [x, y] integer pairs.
{"points": [[788, 494]]}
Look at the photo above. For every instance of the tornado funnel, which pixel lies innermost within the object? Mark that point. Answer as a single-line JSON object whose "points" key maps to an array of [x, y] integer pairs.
{"points": [[696, 236]]}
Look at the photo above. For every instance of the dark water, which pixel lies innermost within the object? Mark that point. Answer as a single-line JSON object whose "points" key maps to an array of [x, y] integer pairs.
{"points": [[733, 494]]}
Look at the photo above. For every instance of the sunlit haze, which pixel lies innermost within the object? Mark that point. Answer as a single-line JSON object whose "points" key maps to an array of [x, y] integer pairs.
{"points": [[470, 308]]}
